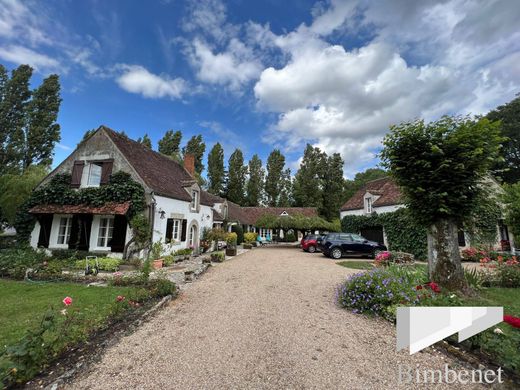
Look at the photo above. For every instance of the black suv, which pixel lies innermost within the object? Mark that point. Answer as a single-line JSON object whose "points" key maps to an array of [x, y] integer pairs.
{"points": [[337, 245]]}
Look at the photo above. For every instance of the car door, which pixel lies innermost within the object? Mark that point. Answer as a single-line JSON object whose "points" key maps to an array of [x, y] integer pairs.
{"points": [[346, 243], [360, 245]]}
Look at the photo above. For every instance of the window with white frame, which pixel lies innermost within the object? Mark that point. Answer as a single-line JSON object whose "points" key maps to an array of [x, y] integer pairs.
{"points": [[176, 229], [192, 236], [172, 230], [368, 205], [94, 174], [64, 230], [194, 199], [105, 232], [265, 232]]}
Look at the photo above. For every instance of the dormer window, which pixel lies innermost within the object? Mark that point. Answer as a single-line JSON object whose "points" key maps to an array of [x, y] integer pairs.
{"points": [[224, 211], [194, 199], [284, 214], [368, 205]]}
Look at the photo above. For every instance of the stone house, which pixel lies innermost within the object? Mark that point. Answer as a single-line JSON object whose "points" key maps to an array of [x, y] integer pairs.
{"points": [[177, 208], [384, 196]]}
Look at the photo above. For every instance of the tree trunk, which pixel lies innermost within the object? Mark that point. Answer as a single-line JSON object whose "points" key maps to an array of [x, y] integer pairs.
{"points": [[444, 264]]}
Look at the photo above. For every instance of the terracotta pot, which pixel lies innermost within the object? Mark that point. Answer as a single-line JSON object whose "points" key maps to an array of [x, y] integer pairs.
{"points": [[157, 264], [231, 251]]}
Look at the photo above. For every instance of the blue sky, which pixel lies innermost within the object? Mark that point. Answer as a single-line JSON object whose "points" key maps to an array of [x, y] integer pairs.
{"points": [[259, 75]]}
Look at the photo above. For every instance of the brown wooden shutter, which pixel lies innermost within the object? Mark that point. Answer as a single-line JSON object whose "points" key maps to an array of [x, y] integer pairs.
{"points": [[45, 230], [77, 171], [117, 244], [169, 230], [106, 171], [183, 230]]}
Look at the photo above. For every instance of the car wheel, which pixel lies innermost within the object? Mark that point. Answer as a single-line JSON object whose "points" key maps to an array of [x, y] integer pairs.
{"points": [[311, 249], [336, 253]]}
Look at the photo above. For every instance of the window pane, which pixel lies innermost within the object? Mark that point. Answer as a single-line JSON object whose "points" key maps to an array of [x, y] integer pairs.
{"points": [[94, 177]]}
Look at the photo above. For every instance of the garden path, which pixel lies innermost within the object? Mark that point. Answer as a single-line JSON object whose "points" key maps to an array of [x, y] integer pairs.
{"points": [[264, 320]]}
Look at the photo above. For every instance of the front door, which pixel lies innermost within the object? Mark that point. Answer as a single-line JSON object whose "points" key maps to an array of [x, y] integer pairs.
{"points": [[193, 237]]}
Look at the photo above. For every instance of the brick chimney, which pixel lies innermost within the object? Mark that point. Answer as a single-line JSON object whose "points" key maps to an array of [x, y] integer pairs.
{"points": [[189, 164]]}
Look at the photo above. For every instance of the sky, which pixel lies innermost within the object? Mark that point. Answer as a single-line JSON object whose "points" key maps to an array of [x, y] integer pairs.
{"points": [[266, 74]]}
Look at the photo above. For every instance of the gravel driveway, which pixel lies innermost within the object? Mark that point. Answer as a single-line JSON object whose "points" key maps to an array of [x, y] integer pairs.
{"points": [[264, 320]]}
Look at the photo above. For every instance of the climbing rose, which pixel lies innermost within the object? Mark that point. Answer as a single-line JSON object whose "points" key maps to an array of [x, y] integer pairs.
{"points": [[120, 298], [419, 287], [67, 301]]}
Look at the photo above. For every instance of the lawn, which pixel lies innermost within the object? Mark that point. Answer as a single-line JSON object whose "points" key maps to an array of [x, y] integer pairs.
{"points": [[509, 298], [356, 264], [22, 304]]}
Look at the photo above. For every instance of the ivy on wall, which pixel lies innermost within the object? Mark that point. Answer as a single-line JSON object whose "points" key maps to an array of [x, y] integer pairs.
{"points": [[402, 232], [121, 188]]}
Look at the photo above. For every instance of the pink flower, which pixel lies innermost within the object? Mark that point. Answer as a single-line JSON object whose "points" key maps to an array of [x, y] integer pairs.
{"points": [[67, 301], [120, 298]]}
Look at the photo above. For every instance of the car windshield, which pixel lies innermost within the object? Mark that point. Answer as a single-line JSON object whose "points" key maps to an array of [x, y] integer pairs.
{"points": [[357, 238]]}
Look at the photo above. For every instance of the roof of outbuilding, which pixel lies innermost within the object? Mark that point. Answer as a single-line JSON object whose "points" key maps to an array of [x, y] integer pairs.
{"points": [[162, 174], [388, 191], [254, 213]]}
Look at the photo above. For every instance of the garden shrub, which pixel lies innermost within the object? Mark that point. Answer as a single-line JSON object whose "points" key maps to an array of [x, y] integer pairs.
{"points": [[239, 232], [290, 237], [387, 258], [404, 234], [218, 257], [161, 287], [15, 262], [231, 239], [105, 264], [250, 237], [376, 292], [183, 252], [168, 260], [508, 275]]}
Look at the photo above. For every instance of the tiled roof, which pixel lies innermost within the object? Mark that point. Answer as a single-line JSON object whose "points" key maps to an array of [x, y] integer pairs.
{"points": [[254, 213], [110, 208], [217, 216], [209, 199], [386, 188], [162, 174]]}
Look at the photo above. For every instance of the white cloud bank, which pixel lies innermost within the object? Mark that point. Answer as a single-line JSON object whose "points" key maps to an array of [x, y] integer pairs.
{"points": [[137, 79]]}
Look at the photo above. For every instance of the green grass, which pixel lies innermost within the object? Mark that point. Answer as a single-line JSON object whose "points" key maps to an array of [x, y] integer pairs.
{"points": [[22, 304], [509, 298], [355, 264]]}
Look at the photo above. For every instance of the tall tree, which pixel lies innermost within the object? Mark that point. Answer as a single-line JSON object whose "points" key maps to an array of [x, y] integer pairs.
{"points": [[439, 167], [170, 143], [275, 166], [216, 173], [145, 141], [332, 187], [255, 183], [308, 181], [15, 189], [236, 178], [509, 116], [197, 147], [286, 190], [15, 95], [42, 131]]}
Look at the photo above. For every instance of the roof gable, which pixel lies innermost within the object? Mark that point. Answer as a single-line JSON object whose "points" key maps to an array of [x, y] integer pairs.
{"points": [[385, 188]]}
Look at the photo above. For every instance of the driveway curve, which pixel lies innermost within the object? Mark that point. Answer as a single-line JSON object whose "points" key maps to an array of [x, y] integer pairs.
{"points": [[265, 320]]}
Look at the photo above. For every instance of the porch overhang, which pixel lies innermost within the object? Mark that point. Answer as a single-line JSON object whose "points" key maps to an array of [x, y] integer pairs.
{"points": [[110, 208]]}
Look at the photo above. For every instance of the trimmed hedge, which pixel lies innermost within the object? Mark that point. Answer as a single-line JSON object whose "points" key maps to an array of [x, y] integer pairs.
{"points": [[402, 232]]}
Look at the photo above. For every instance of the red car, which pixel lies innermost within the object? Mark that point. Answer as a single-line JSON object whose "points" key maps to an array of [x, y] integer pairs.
{"points": [[310, 243]]}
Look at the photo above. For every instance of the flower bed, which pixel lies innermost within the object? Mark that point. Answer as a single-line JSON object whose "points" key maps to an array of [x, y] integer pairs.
{"points": [[386, 258]]}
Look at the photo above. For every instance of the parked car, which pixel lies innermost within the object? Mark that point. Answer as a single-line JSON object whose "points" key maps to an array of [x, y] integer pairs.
{"points": [[337, 245], [309, 243]]}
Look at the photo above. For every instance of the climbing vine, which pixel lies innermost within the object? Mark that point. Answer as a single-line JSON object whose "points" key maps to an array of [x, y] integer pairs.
{"points": [[121, 188], [402, 232]]}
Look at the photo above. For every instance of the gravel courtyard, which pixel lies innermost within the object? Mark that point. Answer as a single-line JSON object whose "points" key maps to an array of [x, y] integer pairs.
{"points": [[264, 320]]}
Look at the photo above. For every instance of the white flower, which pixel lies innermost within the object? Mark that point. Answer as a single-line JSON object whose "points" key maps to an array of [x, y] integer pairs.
{"points": [[498, 331], [452, 296], [64, 312]]}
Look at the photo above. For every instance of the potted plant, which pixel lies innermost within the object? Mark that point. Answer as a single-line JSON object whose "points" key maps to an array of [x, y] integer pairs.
{"points": [[249, 240], [231, 241], [157, 251]]}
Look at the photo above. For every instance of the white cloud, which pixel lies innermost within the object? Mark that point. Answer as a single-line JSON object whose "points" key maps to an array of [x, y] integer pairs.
{"points": [[17, 21], [425, 59], [233, 68], [137, 79], [22, 55]]}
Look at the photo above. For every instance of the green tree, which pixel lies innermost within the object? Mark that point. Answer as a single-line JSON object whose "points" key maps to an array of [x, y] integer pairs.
{"points": [[14, 100], [170, 143], [439, 166], [236, 178], [42, 132], [216, 173], [332, 188], [196, 147], [308, 181], [286, 198], [275, 166], [512, 201], [255, 183], [145, 141], [509, 116], [15, 189], [87, 135]]}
